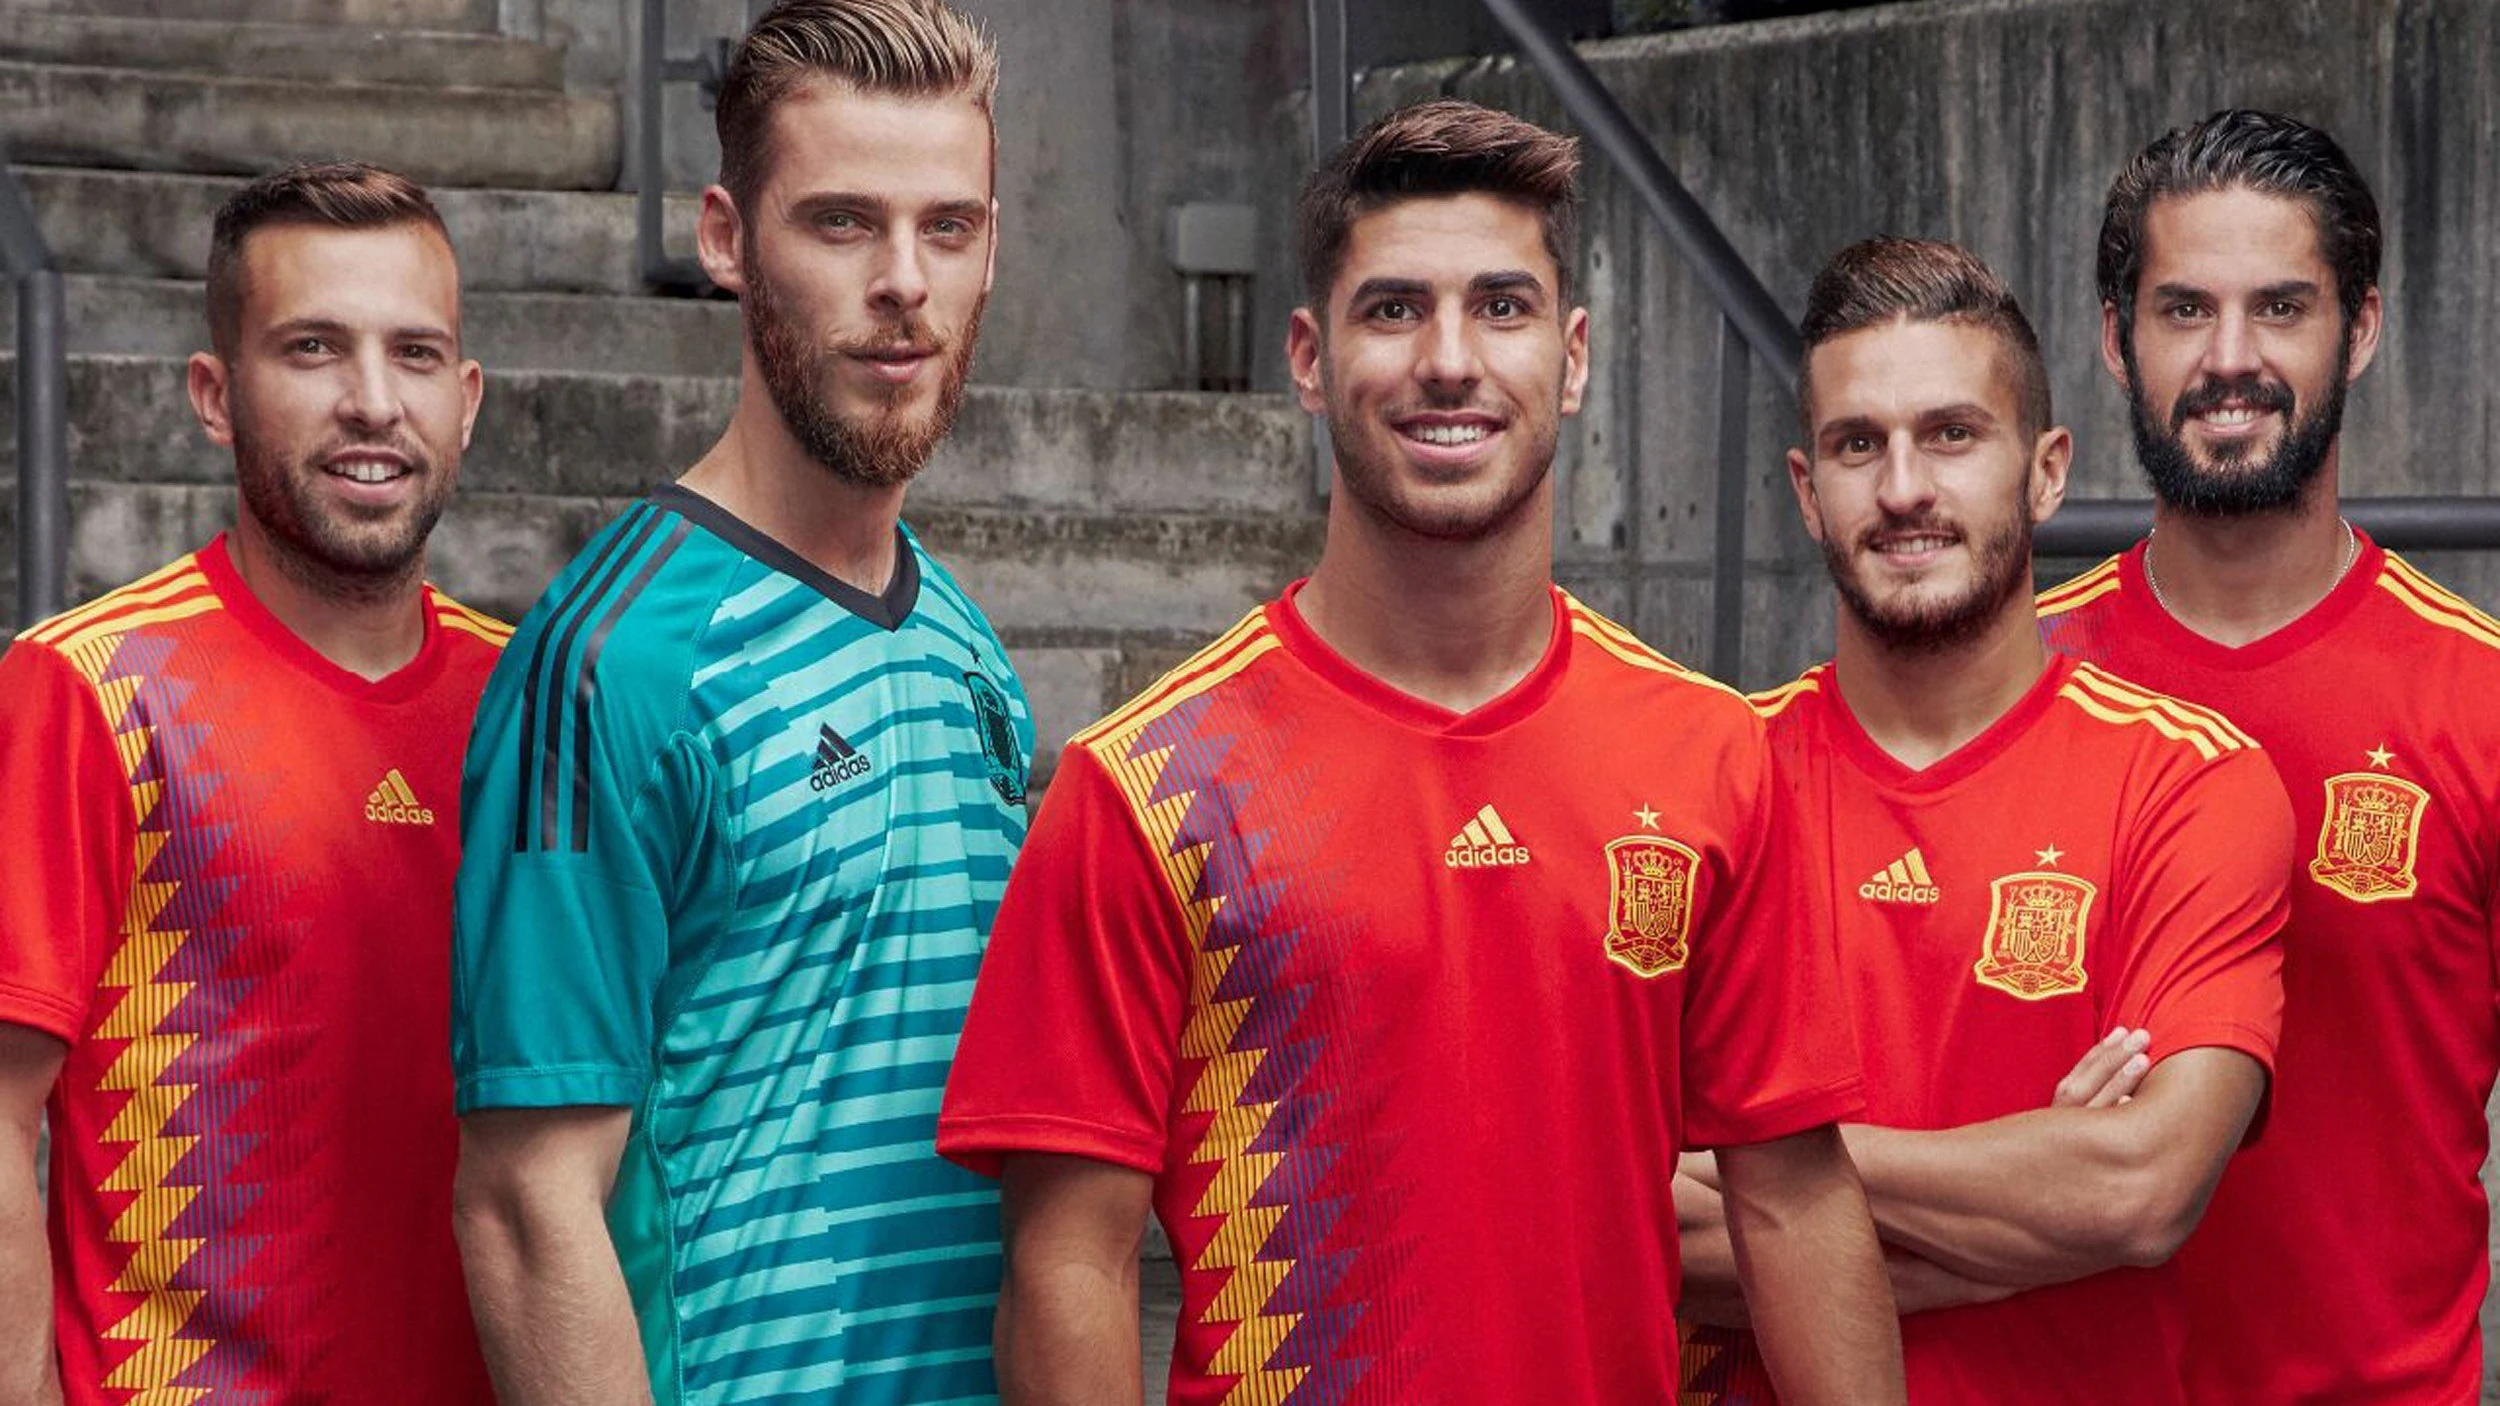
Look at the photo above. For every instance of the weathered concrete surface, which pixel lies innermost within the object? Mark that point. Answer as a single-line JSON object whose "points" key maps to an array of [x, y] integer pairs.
{"points": [[299, 52], [1998, 124], [64, 115], [404, 14], [156, 317], [155, 225]]}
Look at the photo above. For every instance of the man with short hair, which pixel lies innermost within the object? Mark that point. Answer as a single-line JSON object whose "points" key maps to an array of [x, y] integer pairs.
{"points": [[229, 840], [2031, 859], [742, 801], [1390, 948], [2345, 1258]]}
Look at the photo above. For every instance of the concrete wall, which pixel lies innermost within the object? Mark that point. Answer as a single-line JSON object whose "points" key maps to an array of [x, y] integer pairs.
{"points": [[1998, 124]]}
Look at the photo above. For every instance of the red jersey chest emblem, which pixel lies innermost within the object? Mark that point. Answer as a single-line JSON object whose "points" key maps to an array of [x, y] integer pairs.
{"points": [[1649, 906], [2036, 925], [2371, 834]]}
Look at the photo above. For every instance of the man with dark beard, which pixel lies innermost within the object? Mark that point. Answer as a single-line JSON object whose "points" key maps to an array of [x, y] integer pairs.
{"points": [[2345, 1258], [742, 804], [1389, 949], [226, 865], [2030, 858]]}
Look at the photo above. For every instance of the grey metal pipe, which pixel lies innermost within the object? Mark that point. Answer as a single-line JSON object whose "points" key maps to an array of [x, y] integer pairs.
{"points": [[650, 254], [1727, 566], [2098, 527], [42, 447], [1332, 102], [1688, 227]]}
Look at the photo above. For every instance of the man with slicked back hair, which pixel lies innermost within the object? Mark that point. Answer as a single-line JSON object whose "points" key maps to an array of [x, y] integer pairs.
{"points": [[744, 799], [2345, 1257]]}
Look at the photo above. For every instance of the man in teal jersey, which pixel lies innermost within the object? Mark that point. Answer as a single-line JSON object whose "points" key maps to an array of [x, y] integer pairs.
{"points": [[741, 803]]}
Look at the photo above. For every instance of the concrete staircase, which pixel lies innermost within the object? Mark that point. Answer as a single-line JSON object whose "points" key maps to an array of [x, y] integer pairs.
{"points": [[1107, 534]]}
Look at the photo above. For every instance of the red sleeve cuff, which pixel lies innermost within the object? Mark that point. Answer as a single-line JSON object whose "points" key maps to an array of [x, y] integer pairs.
{"points": [[41, 1010], [1837, 1102], [979, 1143]]}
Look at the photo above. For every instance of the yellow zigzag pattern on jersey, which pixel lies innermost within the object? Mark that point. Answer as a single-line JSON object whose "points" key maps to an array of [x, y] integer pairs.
{"points": [[1209, 1030], [2436, 603], [1627, 647], [1771, 702], [145, 1003], [2083, 590], [2114, 700]]}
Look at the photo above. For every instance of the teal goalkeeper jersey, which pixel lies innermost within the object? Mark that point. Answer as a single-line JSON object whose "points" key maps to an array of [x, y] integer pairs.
{"points": [[733, 835]]}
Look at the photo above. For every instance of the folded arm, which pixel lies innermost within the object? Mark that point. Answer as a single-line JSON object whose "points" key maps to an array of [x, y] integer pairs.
{"points": [[529, 1205], [1067, 1311], [2058, 1193]]}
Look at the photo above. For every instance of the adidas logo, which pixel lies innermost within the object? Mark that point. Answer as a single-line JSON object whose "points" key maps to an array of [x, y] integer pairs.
{"points": [[837, 761], [1905, 880], [392, 803], [1485, 843]]}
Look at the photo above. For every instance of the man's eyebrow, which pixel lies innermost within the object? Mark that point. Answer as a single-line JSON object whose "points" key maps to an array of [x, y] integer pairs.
{"points": [[1505, 281], [2289, 288], [1960, 410], [1846, 425], [332, 327], [1389, 288]]}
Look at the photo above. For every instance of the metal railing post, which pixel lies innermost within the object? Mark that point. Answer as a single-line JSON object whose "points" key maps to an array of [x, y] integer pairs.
{"points": [[42, 408], [1727, 566], [1332, 104]]}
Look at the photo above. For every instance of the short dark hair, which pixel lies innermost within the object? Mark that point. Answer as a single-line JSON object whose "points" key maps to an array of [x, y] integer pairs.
{"points": [[1891, 279], [1438, 148], [337, 194], [904, 48], [2264, 152]]}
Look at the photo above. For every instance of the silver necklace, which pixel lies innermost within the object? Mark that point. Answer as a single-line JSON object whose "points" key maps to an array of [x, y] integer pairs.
{"points": [[2352, 550]]}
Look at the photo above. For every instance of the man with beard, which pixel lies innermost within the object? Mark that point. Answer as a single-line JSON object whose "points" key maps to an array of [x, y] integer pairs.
{"points": [[2030, 858], [742, 803], [230, 839], [2345, 1258], [1351, 951]]}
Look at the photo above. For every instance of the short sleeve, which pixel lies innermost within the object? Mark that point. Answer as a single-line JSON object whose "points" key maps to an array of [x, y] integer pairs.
{"points": [[1074, 1032], [1769, 1049], [65, 832], [572, 817], [2204, 895]]}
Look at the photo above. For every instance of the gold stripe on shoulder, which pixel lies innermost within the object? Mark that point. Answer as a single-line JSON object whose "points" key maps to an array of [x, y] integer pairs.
{"points": [[1771, 702], [2082, 590], [158, 586], [2122, 691], [481, 627], [1229, 654], [2202, 740], [1630, 648], [121, 624], [2436, 604]]}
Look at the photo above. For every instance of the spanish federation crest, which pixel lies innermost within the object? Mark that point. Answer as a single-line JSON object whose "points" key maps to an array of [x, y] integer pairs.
{"points": [[2372, 830], [1650, 911], [2034, 947]]}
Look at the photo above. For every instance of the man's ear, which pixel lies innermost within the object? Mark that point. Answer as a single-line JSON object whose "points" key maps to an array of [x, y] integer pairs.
{"points": [[208, 380], [1304, 344], [2113, 347], [1575, 360], [720, 236], [1801, 480], [2361, 344], [2052, 454]]}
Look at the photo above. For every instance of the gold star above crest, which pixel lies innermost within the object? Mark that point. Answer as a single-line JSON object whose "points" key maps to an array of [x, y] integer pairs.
{"points": [[2050, 855], [1647, 817], [2380, 756]]}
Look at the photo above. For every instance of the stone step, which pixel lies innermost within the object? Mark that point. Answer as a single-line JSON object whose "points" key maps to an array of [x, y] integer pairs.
{"points": [[154, 225], [1238, 460], [157, 317], [304, 53], [126, 118], [479, 16]]}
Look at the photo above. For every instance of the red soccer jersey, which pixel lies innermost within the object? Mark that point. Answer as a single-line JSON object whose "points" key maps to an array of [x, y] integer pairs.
{"points": [[2099, 856], [228, 887], [2344, 1258], [1408, 1012]]}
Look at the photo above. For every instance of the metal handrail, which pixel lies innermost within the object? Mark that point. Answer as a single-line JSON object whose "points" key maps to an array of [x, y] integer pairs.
{"points": [[42, 407], [653, 71]]}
